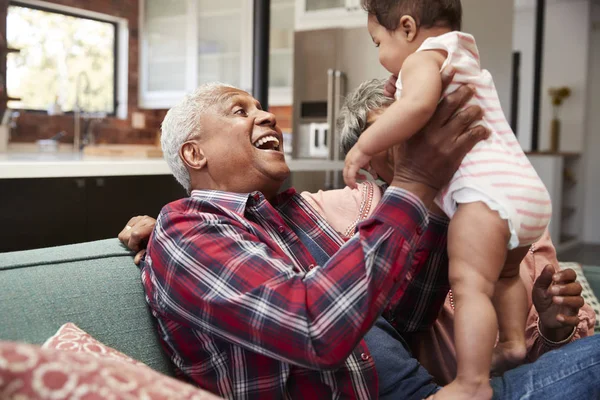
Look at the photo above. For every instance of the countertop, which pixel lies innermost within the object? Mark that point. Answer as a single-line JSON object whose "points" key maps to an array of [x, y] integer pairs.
{"points": [[24, 162]]}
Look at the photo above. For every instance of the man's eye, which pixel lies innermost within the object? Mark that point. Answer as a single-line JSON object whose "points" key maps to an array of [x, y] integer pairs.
{"points": [[376, 44], [241, 111]]}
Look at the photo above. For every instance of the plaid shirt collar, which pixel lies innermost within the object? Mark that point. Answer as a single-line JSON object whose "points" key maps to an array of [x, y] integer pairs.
{"points": [[239, 202]]}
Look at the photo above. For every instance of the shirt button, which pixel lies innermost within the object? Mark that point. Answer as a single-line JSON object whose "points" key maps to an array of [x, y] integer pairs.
{"points": [[365, 357], [419, 231], [311, 266], [281, 229], [256, 197]]}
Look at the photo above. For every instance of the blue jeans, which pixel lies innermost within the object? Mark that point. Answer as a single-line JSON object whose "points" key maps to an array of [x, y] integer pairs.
{"points": [[572, 371]]}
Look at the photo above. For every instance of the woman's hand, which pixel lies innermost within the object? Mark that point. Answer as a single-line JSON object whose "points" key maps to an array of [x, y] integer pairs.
{"points": [[557, 299], [136, 234], [426, 162]]}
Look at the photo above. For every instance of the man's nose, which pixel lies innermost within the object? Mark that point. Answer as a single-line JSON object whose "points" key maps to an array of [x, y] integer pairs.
{"points": [[265, 118]]}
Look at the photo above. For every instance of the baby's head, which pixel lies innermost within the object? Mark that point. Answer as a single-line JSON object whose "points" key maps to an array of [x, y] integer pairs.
{"points": [[399, 27]]}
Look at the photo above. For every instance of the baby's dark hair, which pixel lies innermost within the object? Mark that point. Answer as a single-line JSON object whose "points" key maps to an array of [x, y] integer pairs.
{"points": [[427, 13]]}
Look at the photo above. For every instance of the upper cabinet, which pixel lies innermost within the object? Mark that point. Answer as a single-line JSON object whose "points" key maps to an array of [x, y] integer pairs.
{"points": [[185, 43], [323, 14], [281, 60], [222, 49], [165, 58]]}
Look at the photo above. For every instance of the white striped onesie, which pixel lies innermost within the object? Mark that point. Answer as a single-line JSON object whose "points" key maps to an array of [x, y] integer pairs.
{"points": [[497, 171]]}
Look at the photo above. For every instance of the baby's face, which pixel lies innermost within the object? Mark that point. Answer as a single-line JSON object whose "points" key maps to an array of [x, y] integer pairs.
{"points": [[393, 46]]}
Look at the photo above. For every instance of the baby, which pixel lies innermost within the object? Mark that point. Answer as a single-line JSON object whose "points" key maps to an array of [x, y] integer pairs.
{"points": [[497, 203]]}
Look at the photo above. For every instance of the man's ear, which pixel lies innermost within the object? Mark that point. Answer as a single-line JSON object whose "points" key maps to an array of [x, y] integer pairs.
{"points": [[192, 155], [408, 27]]}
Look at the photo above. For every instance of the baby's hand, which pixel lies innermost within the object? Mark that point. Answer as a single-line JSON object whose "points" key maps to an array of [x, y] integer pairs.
{"points": [[355, 160]]}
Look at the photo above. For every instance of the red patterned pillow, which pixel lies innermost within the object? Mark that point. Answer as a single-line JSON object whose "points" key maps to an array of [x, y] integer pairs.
{"points": [[72, 338], [30, 372]]}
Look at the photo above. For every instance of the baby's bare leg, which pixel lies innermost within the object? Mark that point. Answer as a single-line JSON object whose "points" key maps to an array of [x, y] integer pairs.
{"points": [[510, 301], [477, 247]]}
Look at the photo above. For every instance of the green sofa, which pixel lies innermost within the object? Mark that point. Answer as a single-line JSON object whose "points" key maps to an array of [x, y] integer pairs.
{"points": [[95, 285]]}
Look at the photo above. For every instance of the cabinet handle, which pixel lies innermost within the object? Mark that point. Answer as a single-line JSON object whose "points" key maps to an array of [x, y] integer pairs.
{"points": [[99, 182], [80, 183]]}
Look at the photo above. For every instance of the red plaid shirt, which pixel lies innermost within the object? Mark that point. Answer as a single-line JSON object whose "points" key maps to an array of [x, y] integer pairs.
{"points": [[244, 311]]}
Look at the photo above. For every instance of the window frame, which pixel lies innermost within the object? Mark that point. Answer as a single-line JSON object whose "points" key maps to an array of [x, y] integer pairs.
{"points": [[120, 49]]}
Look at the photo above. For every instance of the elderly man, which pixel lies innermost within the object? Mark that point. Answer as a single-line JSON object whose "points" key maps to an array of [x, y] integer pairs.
{"points": [[257, 296]]}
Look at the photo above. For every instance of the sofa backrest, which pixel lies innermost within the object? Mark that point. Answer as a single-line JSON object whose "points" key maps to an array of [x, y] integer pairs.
{"points": [[95, 285]]}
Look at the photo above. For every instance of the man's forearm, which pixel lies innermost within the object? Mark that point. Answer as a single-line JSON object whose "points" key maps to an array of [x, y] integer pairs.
{"points": [[419, 306], [424, 192]]}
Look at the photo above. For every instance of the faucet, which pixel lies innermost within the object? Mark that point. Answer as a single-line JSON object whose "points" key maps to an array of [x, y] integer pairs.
{"points": [[83, 76]]}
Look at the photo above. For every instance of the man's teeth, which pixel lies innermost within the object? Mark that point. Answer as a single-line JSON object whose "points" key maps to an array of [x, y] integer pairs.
{"points": [[266, 139]]}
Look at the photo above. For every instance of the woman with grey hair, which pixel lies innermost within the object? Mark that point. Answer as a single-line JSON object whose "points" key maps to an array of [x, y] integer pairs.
{"points": [[435, 348], [368, 100]]}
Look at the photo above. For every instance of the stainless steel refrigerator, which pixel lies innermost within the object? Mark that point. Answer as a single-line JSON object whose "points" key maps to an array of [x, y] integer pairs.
{"points": [[327, 64]]}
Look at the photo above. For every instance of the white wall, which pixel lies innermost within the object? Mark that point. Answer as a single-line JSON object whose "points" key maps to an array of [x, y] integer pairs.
{"points": [[524, 42], [591, 227], [491, 22], [566, 48], [566, 43]]}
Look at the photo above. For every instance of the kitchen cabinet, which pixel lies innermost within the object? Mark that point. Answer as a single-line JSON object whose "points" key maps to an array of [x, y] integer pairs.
{"points": [[40, 213], [323, 14], [185, 43]]}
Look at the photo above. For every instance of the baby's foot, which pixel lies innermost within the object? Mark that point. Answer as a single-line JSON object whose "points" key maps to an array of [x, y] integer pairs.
{"points": [[508, 355], [460, 391]]}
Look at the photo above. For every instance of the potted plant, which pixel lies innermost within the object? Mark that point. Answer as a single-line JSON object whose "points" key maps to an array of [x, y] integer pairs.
{"points": [[558, 95]]}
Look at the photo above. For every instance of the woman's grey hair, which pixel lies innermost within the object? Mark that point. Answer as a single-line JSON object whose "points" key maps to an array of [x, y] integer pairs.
{"points": [[353, 117], [183, 122]]}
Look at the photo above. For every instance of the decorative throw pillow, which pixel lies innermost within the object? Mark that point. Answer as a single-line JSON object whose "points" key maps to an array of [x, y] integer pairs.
{"points": [[587, 293], [30, 372], [72, 338]]}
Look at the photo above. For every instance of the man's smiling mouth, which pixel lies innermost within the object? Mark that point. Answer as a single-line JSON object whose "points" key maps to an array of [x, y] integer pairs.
{"points": [[269, 142]]}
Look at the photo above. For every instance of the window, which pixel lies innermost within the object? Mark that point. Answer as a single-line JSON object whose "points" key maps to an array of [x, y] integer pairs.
{"points": [[64, 57]]}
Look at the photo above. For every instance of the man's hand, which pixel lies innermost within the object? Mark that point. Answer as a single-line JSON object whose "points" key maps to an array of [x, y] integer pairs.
{"points": [[426, 162], [136, 234], [389, 90], [557, 299]]}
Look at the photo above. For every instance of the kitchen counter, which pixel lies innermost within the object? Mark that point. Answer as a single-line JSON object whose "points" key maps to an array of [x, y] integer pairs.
{"points": [[18, 163]]}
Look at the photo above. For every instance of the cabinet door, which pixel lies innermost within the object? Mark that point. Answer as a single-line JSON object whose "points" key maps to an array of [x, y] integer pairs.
{"points": [[224, 51], [319, 5], [112, 201], [165, 41], [323, 14], [40, 213], [281, 53]]}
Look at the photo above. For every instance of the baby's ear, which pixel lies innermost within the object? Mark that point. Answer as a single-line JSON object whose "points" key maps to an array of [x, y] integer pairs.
{"points": [[408, 26]]}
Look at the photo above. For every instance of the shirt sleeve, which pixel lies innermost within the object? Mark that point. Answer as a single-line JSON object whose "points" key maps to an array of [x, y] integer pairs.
{"points": [[212, 274], [534, 263], [418, 307]]}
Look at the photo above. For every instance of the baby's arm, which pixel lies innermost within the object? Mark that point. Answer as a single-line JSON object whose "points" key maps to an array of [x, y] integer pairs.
{"points": [[421, 93]]}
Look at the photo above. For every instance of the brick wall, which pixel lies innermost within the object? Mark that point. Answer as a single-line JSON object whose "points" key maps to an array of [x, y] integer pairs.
{"points": [[34, 126]]}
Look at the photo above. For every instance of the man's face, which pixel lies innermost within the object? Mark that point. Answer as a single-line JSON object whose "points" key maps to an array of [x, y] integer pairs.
{"points": [[242, 144]]}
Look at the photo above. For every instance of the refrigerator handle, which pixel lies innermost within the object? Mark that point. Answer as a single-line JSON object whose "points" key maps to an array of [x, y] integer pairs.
{"points": [[330, 124], [340, 91], [338, 102]]}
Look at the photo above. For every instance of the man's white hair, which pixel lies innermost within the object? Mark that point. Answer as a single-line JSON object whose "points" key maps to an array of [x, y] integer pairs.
{"points": [[182, 122]]}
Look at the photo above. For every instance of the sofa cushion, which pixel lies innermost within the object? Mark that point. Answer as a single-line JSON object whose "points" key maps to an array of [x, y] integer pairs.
{"points": [[587, 293], [72, 338], [29, 372], [95, 285]]}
